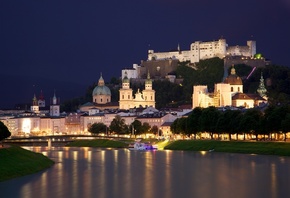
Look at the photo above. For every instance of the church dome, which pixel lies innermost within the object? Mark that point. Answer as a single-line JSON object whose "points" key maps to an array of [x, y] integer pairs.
{"points": [[233, 78], [126, 80], [101, 89]]}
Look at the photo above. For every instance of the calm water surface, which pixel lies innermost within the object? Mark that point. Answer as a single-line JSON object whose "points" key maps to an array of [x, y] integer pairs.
{"points": [[109, 173]]}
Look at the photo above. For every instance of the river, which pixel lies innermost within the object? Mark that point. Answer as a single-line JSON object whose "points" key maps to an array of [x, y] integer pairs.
{"points": [[120, 173]]}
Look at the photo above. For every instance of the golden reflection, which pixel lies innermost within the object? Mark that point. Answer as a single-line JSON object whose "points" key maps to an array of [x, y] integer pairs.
{"points": [[44, 184], [116, 179], [273, 180], [89, 156], [168, 173], [116, 159], [75, 155], [102, 173], [75, 184], [60, 156], [128, 180], [26, 191], [60, 176], [85, 152], [148, 191]]}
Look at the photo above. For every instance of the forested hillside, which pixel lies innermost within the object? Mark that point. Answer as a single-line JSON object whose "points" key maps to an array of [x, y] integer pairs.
{"points": [[206, 72]]}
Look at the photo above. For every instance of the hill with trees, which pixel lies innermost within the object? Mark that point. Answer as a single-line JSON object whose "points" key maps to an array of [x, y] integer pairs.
{"points": [[206, 72]]}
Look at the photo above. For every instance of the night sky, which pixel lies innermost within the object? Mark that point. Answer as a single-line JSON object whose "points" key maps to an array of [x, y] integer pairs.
{"points": [[64, 45]]}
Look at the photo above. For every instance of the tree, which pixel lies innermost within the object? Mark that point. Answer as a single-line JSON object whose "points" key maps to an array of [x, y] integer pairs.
{"points": [[250, 122], [285, 123], [4, 132], [118, 125], [98, 128], [273, 117], [136, 127], [145, 127], [179, 126], [192, 121], [209, 119], [154, 130], [173, 126]]}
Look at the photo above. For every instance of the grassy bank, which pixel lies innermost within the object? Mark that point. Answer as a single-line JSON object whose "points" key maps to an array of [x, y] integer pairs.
{"points": [[16, 161], [262, 148], [98, 143]]}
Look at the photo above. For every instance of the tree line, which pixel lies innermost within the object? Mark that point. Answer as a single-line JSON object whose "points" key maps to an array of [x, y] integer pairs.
{"points": [[119, 127], [275, 119]]}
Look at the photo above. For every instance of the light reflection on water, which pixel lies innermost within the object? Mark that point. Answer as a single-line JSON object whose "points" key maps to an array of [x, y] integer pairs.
{"points": [[107, 173]]}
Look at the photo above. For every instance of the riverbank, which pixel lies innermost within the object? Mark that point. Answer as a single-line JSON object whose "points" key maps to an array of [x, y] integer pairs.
{"points": [[16, 162], [260, 148]]}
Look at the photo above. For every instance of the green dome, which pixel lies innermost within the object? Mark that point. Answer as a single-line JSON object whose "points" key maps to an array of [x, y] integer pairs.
{"points": [[126, 80], [148, 81], [101, 90]]}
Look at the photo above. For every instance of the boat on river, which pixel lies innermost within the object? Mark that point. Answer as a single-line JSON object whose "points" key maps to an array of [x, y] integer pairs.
{"points": [[142, 146]]}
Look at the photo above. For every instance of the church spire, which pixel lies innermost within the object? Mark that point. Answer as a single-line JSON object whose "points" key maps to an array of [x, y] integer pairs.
{"points": [[262, 89], [101, 81], [34, 101]]}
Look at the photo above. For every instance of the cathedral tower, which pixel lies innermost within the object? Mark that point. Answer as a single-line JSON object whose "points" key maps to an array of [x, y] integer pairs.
{"points": [[148, 92], [126, 94]]}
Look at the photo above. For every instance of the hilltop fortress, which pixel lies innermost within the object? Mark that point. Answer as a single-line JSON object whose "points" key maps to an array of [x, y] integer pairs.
{"points": [[205, 50], [163, 64]]}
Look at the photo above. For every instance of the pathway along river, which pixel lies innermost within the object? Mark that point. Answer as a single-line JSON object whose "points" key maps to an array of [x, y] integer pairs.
{"points": [[120, 173]]}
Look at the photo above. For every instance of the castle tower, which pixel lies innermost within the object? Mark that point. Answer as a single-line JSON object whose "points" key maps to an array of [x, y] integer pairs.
{"points": [[54, 107], [34, 107], [126, 94], [262, 89], [252, 48], [148, 92]]}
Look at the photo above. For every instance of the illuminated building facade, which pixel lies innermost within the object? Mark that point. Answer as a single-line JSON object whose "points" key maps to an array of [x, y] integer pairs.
{"points": [[205, 50]]}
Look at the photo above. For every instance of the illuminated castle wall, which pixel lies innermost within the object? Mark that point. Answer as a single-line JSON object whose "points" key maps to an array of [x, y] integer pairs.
{"points": [[204, 50]]}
